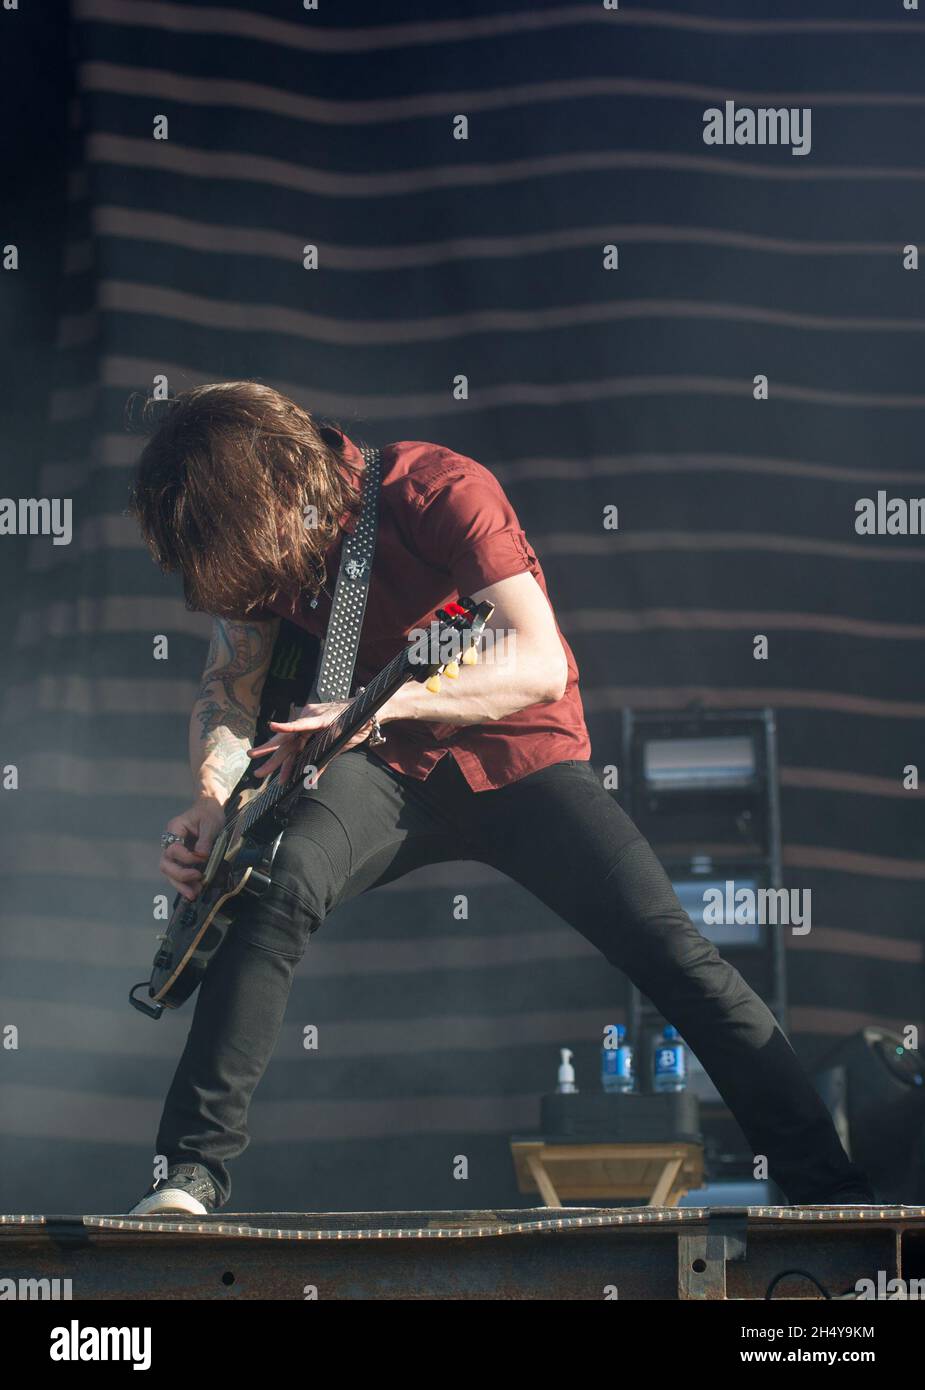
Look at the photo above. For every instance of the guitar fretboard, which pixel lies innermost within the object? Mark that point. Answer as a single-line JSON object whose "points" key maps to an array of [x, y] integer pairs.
{"points": [[322, 745]]}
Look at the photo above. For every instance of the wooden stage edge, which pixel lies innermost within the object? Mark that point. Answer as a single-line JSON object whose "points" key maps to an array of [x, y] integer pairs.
{"points": [[673, 1253]]}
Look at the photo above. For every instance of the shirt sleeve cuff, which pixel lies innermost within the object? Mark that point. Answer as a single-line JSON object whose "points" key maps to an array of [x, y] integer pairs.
{"points": [[491, 560]]}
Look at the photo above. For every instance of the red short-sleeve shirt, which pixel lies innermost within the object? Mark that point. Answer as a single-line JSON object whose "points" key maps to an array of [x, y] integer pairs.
{"points": [[446, 528]]}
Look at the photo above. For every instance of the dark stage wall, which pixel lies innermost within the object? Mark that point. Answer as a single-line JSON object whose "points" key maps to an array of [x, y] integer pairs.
{"points": [[588, 387]]}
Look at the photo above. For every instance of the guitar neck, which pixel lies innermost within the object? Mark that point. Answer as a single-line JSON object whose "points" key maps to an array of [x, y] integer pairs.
{"points": [[463, 622], [328, 742]]}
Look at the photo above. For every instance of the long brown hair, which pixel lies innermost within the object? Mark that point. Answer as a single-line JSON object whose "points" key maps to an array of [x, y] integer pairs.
{"points": [[223, 490]]}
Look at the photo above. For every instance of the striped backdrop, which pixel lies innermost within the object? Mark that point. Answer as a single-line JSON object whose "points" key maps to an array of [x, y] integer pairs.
{"points": [[587, 387]]}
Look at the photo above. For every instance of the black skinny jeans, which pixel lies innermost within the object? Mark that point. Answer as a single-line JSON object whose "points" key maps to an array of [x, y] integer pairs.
{"points": [[562, 836]]}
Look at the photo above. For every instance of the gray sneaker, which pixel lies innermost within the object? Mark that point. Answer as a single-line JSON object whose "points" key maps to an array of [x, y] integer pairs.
{"points": [[187, 1189]]}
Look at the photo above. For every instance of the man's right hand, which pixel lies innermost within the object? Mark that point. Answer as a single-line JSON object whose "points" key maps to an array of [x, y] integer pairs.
{"points": [[182, 863]]}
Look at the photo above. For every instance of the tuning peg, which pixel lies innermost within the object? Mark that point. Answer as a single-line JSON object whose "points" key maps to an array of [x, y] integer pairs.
{"points": [[470, 656], [451, 669], [433, 683]]}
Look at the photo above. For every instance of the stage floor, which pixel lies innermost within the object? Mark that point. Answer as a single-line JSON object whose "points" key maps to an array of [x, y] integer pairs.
{"points": [[686, 1253]]}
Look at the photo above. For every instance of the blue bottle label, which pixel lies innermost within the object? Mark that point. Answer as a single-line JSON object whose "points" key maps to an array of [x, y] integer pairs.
{"points": [[617, 1062], [669, 1061]]}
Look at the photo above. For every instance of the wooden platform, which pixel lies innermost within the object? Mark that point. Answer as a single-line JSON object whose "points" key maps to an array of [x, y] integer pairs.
{"points": [[535, 1253], [659, 1174]]}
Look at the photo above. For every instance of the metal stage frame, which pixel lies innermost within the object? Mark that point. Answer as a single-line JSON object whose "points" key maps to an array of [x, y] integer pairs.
{"points": [[630, 1253]]}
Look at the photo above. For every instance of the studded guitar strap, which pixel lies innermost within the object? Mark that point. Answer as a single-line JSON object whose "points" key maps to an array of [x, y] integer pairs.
{"points": [[342, 639]]}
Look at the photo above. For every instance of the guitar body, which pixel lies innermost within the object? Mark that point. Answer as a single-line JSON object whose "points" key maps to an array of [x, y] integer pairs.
{"points": [[197, 929], [241, 862]]}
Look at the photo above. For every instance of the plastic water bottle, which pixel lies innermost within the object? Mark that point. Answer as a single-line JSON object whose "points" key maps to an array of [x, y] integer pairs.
{"points": [[616, 1060], [669, 1063]]}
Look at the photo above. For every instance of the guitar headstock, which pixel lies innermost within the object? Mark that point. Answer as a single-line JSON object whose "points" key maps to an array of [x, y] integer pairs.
{"points": [[454, 640]]}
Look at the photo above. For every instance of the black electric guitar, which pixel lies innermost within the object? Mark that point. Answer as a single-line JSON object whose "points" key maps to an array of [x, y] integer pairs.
{"points": [[241, 862]]}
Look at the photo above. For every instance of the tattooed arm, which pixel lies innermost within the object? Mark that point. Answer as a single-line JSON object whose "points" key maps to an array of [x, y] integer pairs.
{"points": [[221, 731], [224, 716]]}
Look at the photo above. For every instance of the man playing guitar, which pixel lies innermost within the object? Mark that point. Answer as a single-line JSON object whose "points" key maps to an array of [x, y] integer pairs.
{"points": [[248, 497]]}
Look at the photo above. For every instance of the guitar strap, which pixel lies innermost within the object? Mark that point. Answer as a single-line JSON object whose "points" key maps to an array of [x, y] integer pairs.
{"points": [[334, 675]]}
